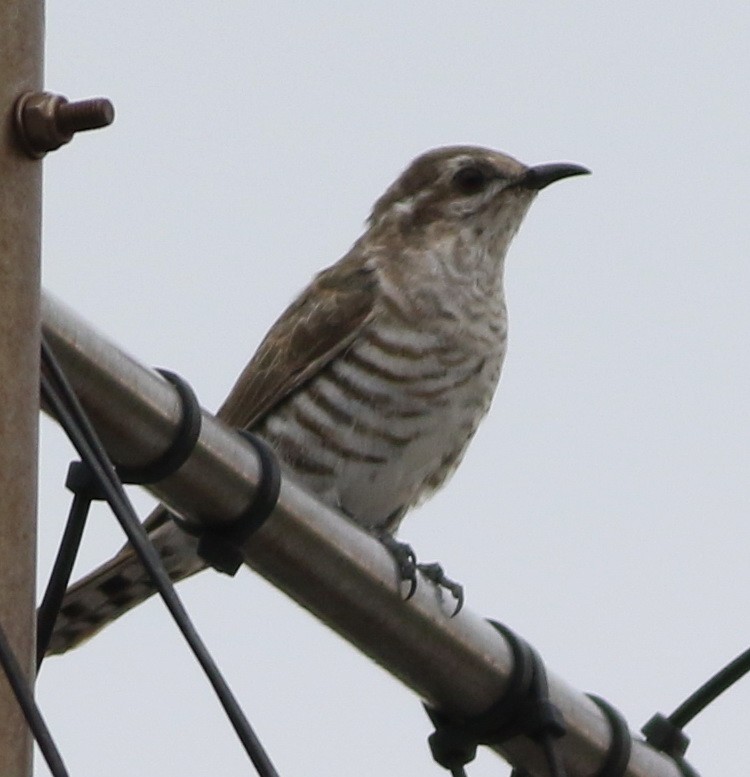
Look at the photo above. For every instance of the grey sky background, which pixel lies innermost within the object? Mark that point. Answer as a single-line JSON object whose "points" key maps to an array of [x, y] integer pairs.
{"points": [[601, 511]]}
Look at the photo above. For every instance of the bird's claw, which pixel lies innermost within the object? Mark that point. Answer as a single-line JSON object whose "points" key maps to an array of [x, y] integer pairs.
{"points": [[407, 566], [406, 561], [435, 573]]}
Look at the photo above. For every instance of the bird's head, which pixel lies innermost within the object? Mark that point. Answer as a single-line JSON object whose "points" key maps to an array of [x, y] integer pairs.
{"points": [[458, 186]]}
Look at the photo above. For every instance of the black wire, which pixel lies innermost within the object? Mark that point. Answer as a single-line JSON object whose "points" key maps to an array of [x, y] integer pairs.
{"points": [[74, 421], [710, 690], [29, 708], [61, 570]]}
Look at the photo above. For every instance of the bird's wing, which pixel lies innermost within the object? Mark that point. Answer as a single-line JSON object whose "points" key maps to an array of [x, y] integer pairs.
{"points": [[317, 326], [321, 323]]}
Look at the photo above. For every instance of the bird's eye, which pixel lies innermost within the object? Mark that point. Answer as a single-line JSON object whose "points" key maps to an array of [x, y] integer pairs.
{"points": [[470, 180]]}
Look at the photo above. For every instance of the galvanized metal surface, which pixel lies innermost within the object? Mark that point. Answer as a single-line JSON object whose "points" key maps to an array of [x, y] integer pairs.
{"points": [[326, 564], [21, 30]]}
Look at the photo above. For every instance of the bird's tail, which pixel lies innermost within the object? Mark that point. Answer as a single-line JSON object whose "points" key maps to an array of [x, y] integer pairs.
{"points": [[119, 585]]}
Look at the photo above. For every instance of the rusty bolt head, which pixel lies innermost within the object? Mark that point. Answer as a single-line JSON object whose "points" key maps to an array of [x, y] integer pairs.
{"points": [[46, 121]]}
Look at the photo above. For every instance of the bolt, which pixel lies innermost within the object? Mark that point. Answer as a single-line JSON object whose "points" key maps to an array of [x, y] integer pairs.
{"points": [[47, 121], [85, 115]]}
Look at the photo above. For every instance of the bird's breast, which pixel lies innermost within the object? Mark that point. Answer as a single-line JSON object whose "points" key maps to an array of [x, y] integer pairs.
{"points": [[385, 422]]}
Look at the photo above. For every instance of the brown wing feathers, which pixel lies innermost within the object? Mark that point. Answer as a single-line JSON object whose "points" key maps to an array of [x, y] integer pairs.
{"points": [[313, 330]]}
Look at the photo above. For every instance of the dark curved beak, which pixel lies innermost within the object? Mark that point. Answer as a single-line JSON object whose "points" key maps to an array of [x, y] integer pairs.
{"points": [[536, 178]]}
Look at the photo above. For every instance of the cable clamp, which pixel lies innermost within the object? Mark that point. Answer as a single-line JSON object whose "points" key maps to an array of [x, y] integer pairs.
{"points": [[667, 737], [617, 756], [81, 481], [181, 447], [220, 546], [524, 708]]}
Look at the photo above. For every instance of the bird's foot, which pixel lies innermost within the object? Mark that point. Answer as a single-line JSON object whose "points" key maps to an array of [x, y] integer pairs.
{"points": [[435, 573], [407, 566], [405, 558]]}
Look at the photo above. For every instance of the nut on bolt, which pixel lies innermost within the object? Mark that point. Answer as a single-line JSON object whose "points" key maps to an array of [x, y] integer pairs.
{"points": [[46, 121]]}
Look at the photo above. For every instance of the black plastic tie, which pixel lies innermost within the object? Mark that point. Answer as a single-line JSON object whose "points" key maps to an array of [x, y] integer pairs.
{"points": [[620, 742], [541, 717], [221, 546], [269, 484], [182, 445], [524, 708], [664, 735], [82, 481], [450, 747]]}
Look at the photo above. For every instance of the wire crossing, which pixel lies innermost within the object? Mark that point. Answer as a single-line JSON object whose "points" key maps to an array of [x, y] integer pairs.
{"points": [[60, 397]]}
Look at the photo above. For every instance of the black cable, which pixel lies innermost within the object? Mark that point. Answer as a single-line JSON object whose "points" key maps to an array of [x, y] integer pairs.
{"points": [[73, 419], [85, 488], [29, 708], [666, 733], [711, 689], [61, 569]]}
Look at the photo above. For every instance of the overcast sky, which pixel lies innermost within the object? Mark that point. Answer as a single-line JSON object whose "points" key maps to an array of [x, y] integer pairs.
{"points": [[602, 510]]}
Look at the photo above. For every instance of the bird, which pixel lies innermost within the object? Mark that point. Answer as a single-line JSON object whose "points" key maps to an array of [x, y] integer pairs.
{"points": [[371, 384]]}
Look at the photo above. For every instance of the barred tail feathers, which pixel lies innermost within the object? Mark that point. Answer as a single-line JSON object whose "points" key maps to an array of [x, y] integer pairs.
{"points": [[117, 586]]}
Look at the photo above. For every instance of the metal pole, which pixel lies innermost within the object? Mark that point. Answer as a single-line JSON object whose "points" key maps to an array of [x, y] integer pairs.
{"points": [[341, 574], [21, 52]]}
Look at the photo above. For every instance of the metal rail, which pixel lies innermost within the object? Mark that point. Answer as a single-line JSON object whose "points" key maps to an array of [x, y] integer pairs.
{"points": [[339, 573]]}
